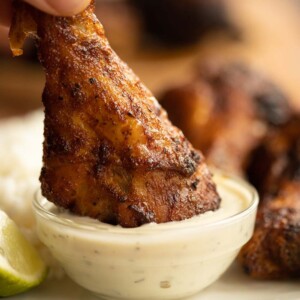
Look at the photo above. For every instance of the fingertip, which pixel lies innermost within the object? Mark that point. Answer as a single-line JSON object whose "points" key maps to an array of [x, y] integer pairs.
{"points": [[59, 7]]}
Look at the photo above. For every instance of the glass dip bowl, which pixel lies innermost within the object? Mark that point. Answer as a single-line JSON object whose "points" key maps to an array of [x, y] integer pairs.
{"points": [[155, 261]]}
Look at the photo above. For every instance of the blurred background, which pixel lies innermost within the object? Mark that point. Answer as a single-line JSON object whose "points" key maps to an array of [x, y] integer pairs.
{"points": [[163, 40]]}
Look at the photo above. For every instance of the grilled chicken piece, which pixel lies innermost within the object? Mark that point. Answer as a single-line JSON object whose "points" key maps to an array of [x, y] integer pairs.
{"points": [[274, 250], [109, 151], [225, 111]]}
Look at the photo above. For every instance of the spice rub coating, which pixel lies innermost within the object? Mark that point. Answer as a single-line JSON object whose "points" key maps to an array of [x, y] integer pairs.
{"points": [[110, 151], [274, 250]]}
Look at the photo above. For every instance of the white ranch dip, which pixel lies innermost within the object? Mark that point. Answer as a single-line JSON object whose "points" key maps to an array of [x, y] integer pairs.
{"points": [[154, 261]]}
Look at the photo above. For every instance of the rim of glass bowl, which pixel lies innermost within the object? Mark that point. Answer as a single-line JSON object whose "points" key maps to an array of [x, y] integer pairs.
{"points": [[40, 202]]}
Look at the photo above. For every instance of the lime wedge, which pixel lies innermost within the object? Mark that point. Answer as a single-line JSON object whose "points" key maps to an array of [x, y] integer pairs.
{"points": [[21, 268]]}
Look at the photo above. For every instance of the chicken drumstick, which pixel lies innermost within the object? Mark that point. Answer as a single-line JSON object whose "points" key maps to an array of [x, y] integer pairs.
{"points": [[109, 151]]}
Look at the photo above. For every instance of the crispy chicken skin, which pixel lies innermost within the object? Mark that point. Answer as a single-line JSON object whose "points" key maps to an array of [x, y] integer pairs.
{"points": [[225, 111], [274, 250], [109, 151]]}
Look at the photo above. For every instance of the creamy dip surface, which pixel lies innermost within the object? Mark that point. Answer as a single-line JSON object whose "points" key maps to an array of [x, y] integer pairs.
{"points": [[154, 261], [233, 202]]}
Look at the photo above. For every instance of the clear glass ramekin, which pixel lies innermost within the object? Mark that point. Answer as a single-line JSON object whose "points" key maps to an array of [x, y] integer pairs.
{"points": [[154, 261]]}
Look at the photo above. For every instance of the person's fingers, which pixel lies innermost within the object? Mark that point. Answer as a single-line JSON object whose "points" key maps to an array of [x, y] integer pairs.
{"points": [[5, 12], [55, 7], [60, 7]]}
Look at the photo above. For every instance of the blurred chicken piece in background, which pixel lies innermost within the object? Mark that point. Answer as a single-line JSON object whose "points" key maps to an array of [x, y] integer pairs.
{"points": [[274, 250], [179, 23], [225, 111]]}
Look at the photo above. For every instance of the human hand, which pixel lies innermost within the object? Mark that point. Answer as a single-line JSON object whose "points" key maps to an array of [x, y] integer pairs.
{"points": [[54, 7]]}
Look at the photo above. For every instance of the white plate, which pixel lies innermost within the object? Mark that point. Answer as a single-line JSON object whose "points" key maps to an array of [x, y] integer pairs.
{"points": [[233, 285]]}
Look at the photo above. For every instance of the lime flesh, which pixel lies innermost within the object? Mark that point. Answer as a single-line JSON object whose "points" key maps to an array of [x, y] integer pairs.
{"points": [[21, 268]]}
